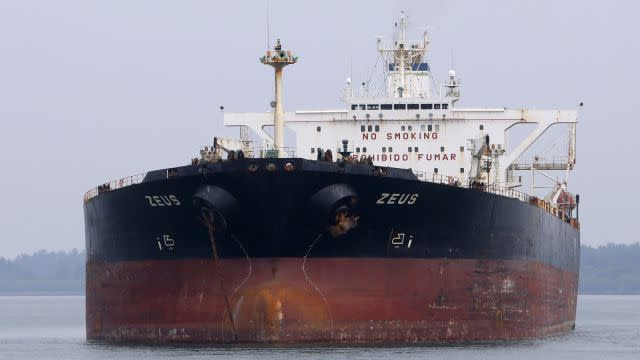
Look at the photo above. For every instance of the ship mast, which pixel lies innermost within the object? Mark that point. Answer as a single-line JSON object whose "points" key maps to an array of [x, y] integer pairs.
{"points": [[278, 59], [408, 74], [402, 62]]}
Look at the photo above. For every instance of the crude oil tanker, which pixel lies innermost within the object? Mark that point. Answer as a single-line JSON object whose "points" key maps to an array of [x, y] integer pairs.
{"points": [[395, 220]]}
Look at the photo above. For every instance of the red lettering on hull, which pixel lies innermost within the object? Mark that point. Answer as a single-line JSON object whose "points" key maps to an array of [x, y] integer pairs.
{"points": [[406, 157], [411, 136]]}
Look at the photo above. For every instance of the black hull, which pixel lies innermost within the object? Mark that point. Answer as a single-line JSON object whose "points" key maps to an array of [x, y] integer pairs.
{"points": [[274, 216]]}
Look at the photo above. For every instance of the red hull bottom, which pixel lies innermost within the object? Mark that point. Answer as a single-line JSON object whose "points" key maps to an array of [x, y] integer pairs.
{"points": [[289, 300]]}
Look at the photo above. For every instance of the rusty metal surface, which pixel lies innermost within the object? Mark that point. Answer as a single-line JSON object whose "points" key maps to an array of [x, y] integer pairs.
{"points": [[327, 300]]}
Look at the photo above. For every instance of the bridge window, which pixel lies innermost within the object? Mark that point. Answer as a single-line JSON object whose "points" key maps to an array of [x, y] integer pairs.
{"points": [[421, 127], [358, 149], [377, 127], [364, 149], [481, 127], [384, 149], [436, 106], [437, 127], [413, 106], [461, 148], [373, 106], [318, 129], [386, 107], [445, 106], [409, 128], [435, 170], [415, 149], [354, 107], [390, 149], [426, 106], [399, 106], [369, 128], [441, 148], [430, 128], [362, 128], [362, 106], [461, 170], [409, 149], [313, 150], [402, 128]]}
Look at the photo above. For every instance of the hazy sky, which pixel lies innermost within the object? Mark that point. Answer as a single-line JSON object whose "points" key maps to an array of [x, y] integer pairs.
{"points": [[96, 90]]}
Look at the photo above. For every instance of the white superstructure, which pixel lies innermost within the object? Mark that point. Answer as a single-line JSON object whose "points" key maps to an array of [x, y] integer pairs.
{"points": [[414, 124]]}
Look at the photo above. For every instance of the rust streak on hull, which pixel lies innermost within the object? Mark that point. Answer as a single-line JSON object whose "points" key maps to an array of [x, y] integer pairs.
{"points": [[340, 300]]}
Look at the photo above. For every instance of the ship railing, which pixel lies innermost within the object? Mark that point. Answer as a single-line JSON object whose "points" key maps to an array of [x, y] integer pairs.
{"points": [[498, 189], [539, 163], [270, 152], [381, 93], [114, 185], [457, 182]]}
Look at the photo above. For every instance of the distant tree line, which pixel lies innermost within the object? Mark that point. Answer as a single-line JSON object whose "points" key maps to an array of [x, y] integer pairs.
{"points": [[610, 269], [44, 272]]}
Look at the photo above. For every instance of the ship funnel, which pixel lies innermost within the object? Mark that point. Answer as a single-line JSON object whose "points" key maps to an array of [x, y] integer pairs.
{"points": [[278, 59]]}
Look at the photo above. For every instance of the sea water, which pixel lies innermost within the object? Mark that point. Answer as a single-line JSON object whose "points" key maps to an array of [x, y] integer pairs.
{"points": [[53, 327]]}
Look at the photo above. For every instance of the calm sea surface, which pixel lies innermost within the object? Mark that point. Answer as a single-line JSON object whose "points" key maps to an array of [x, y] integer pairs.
{"points": [[52, 327]]}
